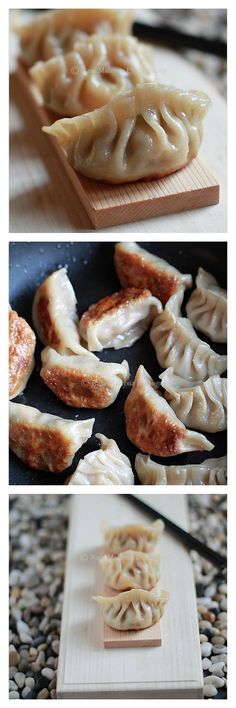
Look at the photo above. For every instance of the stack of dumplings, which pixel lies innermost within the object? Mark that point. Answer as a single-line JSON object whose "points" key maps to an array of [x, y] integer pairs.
{"points": [[132, 569], [116, 123]]}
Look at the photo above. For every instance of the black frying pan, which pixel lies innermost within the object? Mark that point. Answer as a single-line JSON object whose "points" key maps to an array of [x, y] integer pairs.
{"points": [[92, 273]]}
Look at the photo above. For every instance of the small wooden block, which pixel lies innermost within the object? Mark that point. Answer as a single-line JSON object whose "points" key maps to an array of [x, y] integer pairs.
{"points": [[109, 205], [113, 638]]}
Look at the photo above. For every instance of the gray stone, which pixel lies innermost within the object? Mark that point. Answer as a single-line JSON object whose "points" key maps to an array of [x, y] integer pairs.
{"points": [[214, 681], [209, 691], [43, 694], [14, 694], [49, 673], [13, 656], [206, 649], [20, 679]]}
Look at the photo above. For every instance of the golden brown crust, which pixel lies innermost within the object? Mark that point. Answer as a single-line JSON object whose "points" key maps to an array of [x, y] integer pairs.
{"points": [[39, 448], [21, 350], [47, 328], [133, 270], [112, 303], [75, 388], [150, 429]]}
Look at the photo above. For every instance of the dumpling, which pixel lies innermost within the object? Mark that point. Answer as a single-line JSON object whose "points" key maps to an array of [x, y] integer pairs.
{"points": [[211, 471], [145, 133], [207, 307], [87, 78], [57, 31], [131, 569], [151, 424], [134, 609], [134, 537], [43, 441], [177, 345], [22, 342], [138, 268], [118, 320], [83, 381], [200, 405], [108, 465], [54, 313]]}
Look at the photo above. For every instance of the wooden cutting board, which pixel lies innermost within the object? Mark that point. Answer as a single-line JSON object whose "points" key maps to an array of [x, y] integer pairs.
{"points": [[88, 670], [46, 197]]}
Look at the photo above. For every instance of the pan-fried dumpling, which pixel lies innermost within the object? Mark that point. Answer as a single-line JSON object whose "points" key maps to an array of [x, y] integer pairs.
{"points": [[108, 465], [176, 344], [56, 32], [211, 471], [138, 268], [145, 133], [135, 537], [131, 569], [22, 342], [83, 381], [88, 77], [207, 307], [152, 425], [118, 320], [134, 609], [43, 441], [200, 405], [54, 313]]}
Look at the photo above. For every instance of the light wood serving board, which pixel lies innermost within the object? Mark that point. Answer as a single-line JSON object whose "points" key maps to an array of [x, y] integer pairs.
{"points": [[87, 669], [109, 205]]}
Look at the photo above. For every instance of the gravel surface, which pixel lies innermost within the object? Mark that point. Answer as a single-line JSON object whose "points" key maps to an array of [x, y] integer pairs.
{"points": [[38, 532]]}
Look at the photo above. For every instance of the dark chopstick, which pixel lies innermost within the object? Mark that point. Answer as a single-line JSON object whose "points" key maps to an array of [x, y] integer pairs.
{"points": [[167, 35], [190, 541]]}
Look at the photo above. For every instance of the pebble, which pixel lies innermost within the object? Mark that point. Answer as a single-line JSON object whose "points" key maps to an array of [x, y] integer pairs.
{"points": [[13, 656], [43, 694], [12, 671], [218, 639], [203, 638], [216, 667], [27, 692], [49, 673], [206, 649], [209, 691], [219, 649], [214, 681], [14, 694], [55, 646], [12, 685], [20, 679], [29, 681], [206, 663], [220, 657]]}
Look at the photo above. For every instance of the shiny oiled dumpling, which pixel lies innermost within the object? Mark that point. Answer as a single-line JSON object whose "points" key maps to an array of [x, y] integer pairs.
{"points": [[200, 405], [177, 345], [118, 320], [152, 425], [22, 343], [132, 536], [54, 313], [83, 381], [108, 465], [134, 609], [207, 307], [56, 32], [44, 441], [138, 268], [88, 77], [211, 471], [131, 569], [147, 132]]}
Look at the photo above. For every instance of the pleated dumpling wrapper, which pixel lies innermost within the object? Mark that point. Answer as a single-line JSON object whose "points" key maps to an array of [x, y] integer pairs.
{"points": [[22, 343], [131, 569], [57, 31], [108, 466], [138, 268], [83, 381], [207, 307], [118, 320], [152, 425], [96, 70], [211, 471], [43, 441], [132, 536], [134, 609], [146, 133]]}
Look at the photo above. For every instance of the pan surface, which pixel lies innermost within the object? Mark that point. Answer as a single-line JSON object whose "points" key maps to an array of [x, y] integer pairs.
{"points": [[90, 267]]}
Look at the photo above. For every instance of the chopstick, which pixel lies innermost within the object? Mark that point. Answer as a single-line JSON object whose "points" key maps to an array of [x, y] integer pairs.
{"points": [[167, 35], [189, 541]]}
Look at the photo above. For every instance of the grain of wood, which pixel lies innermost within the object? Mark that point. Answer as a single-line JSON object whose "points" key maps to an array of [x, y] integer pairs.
{"points": [[87, 669], [109, 205]]}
